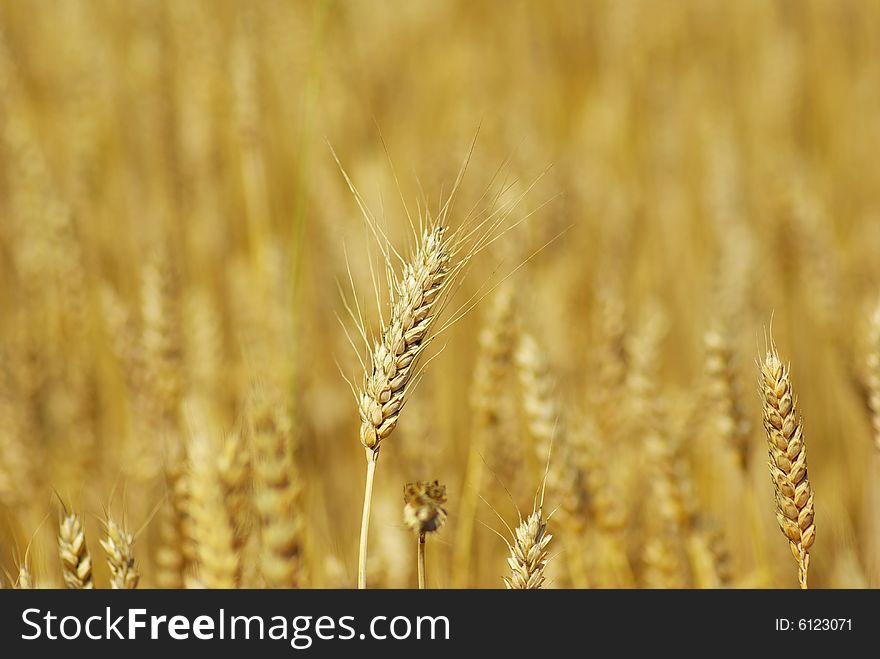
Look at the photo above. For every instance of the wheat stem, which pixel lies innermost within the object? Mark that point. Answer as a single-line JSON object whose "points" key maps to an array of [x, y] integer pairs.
{"points": [[422, 585], [372, 457]]}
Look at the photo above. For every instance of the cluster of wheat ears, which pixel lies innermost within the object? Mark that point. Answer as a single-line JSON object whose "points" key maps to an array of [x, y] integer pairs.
{"points": [[232, 356], [214, 493]]}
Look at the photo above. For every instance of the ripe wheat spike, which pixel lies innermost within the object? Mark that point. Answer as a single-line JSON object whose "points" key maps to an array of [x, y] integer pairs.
{"points": [[788, 461], [76, 563], [117, 546]]}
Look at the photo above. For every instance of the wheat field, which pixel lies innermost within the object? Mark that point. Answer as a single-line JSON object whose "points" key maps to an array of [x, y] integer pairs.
{"points": [[582, 271]]}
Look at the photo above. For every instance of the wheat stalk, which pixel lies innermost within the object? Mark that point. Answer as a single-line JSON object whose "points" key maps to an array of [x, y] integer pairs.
{"points": [[416, 299], [528, 553], [120, 557], [788, 461], [76, 563]]}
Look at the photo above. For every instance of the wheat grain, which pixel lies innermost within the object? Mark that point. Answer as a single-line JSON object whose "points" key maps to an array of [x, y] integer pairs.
{"points": [[788, 461]]}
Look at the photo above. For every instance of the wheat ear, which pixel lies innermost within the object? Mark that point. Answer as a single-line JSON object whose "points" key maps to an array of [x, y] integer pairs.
{"points": [[25, 580], [171, 556], [607, 509], [610, 360], [788, 461], [211, 525], [120, 557], [565, 482], [494, 356], [76, 563], [528, 553], [724, 392], [161, 340], [276, 495], [234, 468], [665, 513]]}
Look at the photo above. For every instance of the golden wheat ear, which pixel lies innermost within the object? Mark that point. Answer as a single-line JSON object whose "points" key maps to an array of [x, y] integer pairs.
{"points": [[219, 561], [724, 395], [788, 461], [76, 562], [420, 286], [528, 553], [25, 580], [416, 300], [277, 490], [171, 557], [118, 546]]}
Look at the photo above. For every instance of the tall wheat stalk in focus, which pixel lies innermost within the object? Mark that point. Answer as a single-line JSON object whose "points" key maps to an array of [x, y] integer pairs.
{"points": [[418, 290]]}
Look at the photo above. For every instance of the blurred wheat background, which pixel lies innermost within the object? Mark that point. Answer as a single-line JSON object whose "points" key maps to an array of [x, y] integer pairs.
{"points": [[174, 232]]}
